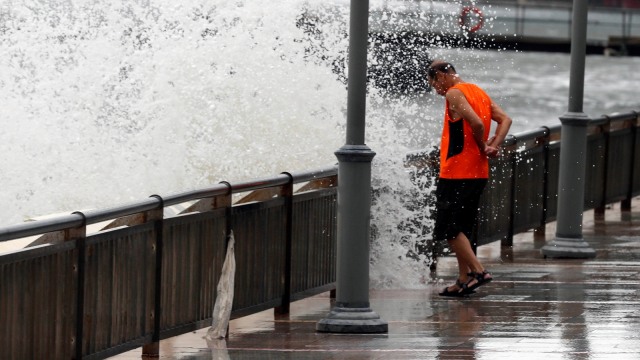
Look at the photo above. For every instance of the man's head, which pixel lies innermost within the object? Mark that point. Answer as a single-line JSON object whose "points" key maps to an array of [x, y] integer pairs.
{"points": [[441, 76]]}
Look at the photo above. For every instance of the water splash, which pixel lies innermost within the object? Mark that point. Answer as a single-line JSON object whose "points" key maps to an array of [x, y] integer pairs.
{"points": [[134, 98], [108, 102], [104, 103]]}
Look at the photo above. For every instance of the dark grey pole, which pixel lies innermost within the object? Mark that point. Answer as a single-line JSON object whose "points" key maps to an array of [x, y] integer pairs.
{"points": [[352, 312], [569, 242]]}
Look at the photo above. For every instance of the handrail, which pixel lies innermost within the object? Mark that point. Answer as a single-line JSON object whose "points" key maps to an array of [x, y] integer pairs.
{"points": [[530, 135], [216, 190], [95, 216], [78, 219], [310, 175], [258, 184], [547, 131], [31, 228], [509, 140], [620, 116]]}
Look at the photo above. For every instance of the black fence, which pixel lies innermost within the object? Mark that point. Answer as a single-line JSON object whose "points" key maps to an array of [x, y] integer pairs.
{"points": [[523, 189], [144, 277]]}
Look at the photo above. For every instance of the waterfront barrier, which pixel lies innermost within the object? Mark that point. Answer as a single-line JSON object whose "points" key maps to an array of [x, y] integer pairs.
{"points": [[523, 189], [143, 276], [524, 185]]}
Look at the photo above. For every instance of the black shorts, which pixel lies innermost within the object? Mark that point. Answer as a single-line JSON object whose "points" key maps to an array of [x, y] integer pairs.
{"points": [[457, 207]]}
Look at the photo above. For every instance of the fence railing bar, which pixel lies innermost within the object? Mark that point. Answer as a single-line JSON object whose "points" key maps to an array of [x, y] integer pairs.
{"points": [[62, 222], [531, 134], [95, 216], [299, 177], [216, 190], [259, 184], [510, 140], [614, 117], [31, 228], [599, 121], [554, 129]]}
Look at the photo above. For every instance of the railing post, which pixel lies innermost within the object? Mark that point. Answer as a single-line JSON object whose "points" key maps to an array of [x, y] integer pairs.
{"points": [[227, 203], [80, 235], [625, 205], [286, 296], [540, 231], [513, 158], [152, 349], [600, 208]]}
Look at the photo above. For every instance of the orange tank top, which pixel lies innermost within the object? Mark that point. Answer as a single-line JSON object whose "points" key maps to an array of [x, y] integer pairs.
{"points": [[460, 157]]}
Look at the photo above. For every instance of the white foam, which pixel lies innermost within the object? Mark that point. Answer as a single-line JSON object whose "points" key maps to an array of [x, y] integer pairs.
{"points": [[108, 103]]}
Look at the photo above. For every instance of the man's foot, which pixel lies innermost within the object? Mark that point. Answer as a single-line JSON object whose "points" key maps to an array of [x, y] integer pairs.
{"points": [[476, 280], [455, 290]]}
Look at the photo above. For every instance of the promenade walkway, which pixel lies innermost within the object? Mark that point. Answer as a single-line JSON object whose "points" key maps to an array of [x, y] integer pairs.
{"points": [[535, 308]]}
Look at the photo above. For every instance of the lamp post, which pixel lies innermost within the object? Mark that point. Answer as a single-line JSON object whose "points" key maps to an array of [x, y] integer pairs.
{"points": [[569, 242], [352, 312]]}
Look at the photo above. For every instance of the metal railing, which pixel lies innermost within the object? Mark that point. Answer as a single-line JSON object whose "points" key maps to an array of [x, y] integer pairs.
{"points": [[144, 277], [522, 192]]}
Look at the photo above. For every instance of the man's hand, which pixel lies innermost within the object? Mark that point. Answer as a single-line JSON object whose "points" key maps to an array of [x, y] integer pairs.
{"points": [[492, 151]]}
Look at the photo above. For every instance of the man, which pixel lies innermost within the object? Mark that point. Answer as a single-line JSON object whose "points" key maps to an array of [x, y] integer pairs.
{"points": [[464, 168]]}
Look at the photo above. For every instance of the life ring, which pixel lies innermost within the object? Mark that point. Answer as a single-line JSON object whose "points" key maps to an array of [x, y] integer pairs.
{"points": [[465, 14]]}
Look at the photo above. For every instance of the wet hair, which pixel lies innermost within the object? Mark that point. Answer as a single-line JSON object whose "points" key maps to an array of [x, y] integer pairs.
{"points": [[443, 67]]}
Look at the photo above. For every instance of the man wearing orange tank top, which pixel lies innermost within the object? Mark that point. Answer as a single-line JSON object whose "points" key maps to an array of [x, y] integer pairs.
{"points": [[465, 149]]}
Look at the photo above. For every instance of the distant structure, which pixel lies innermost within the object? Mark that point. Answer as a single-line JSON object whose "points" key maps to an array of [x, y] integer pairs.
{"points": [[538, 25]]}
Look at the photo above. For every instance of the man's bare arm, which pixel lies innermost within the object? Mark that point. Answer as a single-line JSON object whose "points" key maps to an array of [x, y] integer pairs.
{"points": [[504, 123], [459, 105]]}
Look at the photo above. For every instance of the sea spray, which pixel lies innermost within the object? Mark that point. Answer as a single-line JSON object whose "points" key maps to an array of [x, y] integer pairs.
{"points": [[105, 103], [109, 102]]}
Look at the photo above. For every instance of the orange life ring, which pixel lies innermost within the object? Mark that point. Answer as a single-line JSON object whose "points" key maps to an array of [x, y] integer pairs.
{"points": [[465, 14]]}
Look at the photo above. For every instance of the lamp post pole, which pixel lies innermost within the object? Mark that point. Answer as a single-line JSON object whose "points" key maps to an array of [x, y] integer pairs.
{"points": [[352, 312], [569, 242]]}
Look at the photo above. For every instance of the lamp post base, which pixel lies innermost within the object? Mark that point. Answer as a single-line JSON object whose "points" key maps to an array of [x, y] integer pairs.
{"points": [[568, 248], [352, 320]]}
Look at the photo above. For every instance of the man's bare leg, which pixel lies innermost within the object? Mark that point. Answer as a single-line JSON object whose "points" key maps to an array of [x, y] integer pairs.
{"points": [[464, 263], [462, 247], [467, 263]]}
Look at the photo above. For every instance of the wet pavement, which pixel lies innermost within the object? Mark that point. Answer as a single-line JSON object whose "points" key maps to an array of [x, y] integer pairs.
{"points": [[535, 308]]}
